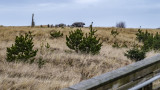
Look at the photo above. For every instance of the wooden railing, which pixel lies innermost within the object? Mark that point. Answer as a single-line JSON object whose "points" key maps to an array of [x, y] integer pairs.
{"points": [[147, 84], [122, 78]]}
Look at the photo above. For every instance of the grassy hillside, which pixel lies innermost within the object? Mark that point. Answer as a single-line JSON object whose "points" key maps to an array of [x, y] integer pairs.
{"points": [[63, 66]]}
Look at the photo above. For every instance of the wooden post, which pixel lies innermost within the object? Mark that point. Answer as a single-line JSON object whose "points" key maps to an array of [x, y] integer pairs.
{"points": [[148, 87], [33, 23]]}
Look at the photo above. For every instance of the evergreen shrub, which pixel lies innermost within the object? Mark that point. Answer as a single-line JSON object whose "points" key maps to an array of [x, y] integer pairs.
{"points": [[22, 50]]}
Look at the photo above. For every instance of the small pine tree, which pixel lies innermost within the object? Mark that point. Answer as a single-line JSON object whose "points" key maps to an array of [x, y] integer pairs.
{"points": [[139, 35], [22, 50], [84, 44], [74, 39], [142, 37], [149, 40], [135, 54], [147, 44], [156, 42], [90, 43], [40, 63]]}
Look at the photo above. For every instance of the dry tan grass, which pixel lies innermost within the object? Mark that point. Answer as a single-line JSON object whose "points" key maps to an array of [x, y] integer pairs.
{"points": [[63, 66]]}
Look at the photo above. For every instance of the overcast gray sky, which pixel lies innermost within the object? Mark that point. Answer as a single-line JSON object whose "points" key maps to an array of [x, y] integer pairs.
{"points": [[106, 13]]}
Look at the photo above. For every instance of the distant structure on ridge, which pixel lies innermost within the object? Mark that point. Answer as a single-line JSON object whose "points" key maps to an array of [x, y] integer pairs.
{"points": [[60, 25], [78, 24], [33, 23]]}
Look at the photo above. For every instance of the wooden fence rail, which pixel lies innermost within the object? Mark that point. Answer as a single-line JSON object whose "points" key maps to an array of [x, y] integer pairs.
{"points": [[122, 78]]}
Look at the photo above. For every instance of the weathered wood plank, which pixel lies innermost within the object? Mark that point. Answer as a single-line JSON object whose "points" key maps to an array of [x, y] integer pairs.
{"points": [[122, 76], [135, 82]]}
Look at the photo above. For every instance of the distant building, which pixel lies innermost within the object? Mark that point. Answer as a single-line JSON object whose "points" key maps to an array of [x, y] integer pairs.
{"points": [[60, 25], [78, 24]]}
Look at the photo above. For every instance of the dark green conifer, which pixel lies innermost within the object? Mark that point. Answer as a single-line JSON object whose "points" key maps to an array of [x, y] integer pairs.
{"points": [[22, 50]]}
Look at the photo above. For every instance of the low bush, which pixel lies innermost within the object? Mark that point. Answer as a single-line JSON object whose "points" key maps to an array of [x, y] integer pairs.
{"points": [[85, 44], [22, 50], [149, 40], [114, 33], [40, 63], [90, 44], [56, 34], [143, 36], [74, 39], [116, 45], [124, 45], [135, 54]]}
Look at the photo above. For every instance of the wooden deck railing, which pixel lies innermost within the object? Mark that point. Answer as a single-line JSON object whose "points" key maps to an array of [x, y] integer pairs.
{"points": [[122, 78]]}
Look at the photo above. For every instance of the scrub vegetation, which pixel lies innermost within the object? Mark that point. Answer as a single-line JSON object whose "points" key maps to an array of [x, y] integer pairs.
{"points": [[55, 65]]}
